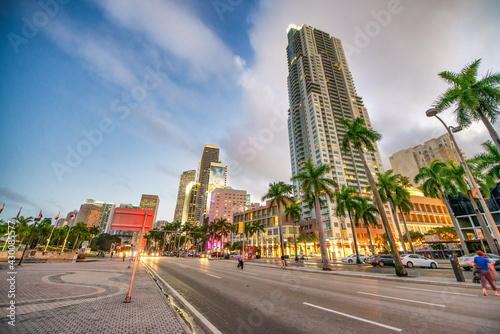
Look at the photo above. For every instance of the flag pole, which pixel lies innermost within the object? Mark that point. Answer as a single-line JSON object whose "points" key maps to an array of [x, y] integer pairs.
{"points": [[50, 236], [127, 299], [29, 241]]}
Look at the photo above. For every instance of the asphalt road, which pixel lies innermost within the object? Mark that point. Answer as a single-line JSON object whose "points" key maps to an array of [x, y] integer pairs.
{"points": [[272, 300]]}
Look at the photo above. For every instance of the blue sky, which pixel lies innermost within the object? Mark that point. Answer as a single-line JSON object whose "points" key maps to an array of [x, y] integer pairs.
{"points": [[111, 99]]}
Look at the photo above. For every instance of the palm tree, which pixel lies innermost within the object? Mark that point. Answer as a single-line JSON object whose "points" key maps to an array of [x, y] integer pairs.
{"points": [[404, 204], [294, 212], [308, 237], [437, 185], [456, 174], [359, 137], [23, 228], [280, 194], [475, 100], [315, 183], [488, 162], [258, 228], [366, 211], [347, 200], [387, 186]]}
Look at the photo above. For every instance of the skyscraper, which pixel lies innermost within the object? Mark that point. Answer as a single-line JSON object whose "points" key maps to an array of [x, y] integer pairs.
{"points": [[408, 162], [210, 154], [321, 93], [150, 202], [186, 178]]}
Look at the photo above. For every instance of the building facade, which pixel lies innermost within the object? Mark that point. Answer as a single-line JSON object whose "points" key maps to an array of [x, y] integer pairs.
{"points": [[321, 93], [408, 162], [210, 154], [224, 202], [186, 178], [150, 202], [90, 213]]}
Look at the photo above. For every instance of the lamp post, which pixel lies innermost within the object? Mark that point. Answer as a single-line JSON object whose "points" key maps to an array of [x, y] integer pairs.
{"points": [[489, 238]]}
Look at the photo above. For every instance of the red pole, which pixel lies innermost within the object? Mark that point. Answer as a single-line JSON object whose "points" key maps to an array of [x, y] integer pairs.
{"points": [[127, 299]]}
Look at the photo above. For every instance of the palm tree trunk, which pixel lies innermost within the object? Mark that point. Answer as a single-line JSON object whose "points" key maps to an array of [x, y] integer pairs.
{"points": [[396, 222], [369, 238], [321, 232], [465, 249], [406, 231], [400, 269], [20, 243], [280, 223], [355, 238], [493, 134], [484, 225]]}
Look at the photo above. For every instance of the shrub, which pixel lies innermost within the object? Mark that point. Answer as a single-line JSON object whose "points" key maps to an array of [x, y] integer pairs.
{"points": [[81, 257]]}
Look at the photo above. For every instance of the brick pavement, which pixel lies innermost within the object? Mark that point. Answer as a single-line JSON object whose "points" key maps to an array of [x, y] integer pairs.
{"points": [[85, 297]]}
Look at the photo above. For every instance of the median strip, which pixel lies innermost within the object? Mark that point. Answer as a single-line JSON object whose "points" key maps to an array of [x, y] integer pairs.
{"points": [[354, 317]]}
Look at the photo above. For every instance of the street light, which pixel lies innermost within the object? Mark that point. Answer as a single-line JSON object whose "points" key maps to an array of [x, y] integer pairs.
{"points": [[433, 113]]}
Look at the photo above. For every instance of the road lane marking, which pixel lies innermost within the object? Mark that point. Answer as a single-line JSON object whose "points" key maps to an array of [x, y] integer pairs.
{"points": [[187, 304], [180, 265], [406, 300], [354, 317], [246, 272], [214, 276], [453, 293]]}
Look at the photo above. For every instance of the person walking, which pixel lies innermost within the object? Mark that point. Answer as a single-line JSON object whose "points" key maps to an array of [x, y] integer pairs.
{"points": [[283, 262], [112, 253], [487, 269], [240, 261]]}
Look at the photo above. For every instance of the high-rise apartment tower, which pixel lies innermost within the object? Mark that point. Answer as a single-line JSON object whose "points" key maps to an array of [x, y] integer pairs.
{"points": [[186, 178], [210, 154], [321, 92]]}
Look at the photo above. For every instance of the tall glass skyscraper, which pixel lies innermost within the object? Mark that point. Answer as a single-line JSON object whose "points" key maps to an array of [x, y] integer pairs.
{"points": [[321, 93], [186, 178], [210, 154]]}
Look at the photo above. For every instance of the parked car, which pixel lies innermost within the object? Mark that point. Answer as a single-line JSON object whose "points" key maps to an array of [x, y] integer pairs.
{"points": [[466, 261], [414, 260], [314, 255], [382, 260], [352, 258]]}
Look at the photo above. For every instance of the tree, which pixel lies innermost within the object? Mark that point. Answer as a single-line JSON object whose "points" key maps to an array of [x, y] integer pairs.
{"points": [[488, 162], [259, 228], [475, 100], [308, 238], [446, 233], [294, 212], [437, 185], [22, 228], [280, 194], [359, 137], [81, 231], [315, 183], [387, 184], [366, 212], [404, 204], [347, 200], [456, 174]]}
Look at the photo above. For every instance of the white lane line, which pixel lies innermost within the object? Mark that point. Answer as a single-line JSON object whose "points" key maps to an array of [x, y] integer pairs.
{"points": [[180, 265], [452, 293], [406, 300], [246, 272], [214, 276], [186, 303], [356, 318]]}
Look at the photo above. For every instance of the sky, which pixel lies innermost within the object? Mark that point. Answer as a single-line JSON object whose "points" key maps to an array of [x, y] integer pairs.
{"points": [[108, 100]]}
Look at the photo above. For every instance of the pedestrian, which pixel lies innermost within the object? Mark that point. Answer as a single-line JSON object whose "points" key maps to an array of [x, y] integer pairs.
{"points": [[301, 253], [124, 254], [112, 253], [283, 262], [240, 261], [487, 269]]}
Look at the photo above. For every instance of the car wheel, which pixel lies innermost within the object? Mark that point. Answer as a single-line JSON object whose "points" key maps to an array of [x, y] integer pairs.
{"points": [[381, 264], [409, 265], [350, 261], [433, 265]]}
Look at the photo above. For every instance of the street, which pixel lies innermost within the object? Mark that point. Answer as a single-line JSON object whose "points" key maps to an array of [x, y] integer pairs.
{"points": [[261, 299]]}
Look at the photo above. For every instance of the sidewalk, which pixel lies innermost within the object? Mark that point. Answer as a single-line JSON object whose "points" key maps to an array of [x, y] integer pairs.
{"points": [[85, 297]]}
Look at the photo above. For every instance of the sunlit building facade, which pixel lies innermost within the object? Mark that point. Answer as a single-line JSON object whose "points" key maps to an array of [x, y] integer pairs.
{"points": [[186, 178], [150, 202]]}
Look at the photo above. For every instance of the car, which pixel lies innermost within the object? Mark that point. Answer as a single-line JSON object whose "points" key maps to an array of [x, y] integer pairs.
{"points": [[414, 260], [315, 255], [352, 258], [466, 261], [382, 260]]}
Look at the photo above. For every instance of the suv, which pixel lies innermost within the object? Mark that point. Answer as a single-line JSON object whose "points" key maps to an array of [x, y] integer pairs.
{"points": [[382, 260]]}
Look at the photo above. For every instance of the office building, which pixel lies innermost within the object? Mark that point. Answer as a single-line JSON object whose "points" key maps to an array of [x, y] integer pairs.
{"points": [[321, 93], [210, 154], [186, 178], [150, 202], [90, 213], [224, 202], [408, 162]]}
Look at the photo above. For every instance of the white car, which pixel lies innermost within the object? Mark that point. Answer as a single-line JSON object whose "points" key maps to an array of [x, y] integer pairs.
{"points": [[352, 258], [413, 260]]}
